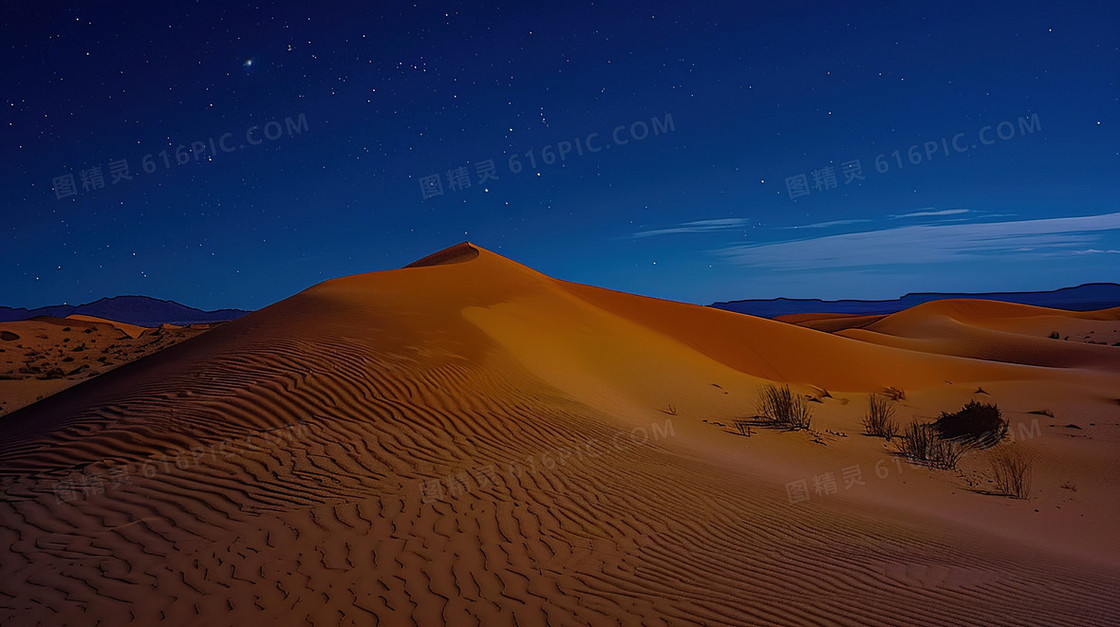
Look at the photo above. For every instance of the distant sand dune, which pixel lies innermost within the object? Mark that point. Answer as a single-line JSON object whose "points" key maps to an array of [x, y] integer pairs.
{"points": [[1001, 332], [42, 356], [473, 443]]}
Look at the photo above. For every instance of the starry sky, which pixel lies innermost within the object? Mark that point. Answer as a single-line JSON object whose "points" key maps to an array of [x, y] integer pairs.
{"points": [[230, 156]]}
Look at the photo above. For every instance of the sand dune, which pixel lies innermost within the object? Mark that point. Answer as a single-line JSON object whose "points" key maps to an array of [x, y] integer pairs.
{"points": [[467, 441], [42, 356], [993, 331], [829, 323], [131, 330]]}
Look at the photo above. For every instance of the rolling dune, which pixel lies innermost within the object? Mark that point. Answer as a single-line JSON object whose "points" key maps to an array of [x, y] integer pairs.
{"points": [[42, 356], [466, 441], [830, 323], [1001, 332]]}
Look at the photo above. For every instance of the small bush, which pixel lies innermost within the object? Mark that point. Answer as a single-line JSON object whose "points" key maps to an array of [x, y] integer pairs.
{"points": [[1054, 335], [821, 392], [879, 421], [54, 373], [781, 407], [921, 443], [977, 424], [744, 427], [895, 394], [1012, 467]]}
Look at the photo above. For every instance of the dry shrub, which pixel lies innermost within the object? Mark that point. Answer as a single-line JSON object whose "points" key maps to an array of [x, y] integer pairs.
{"points": [[895, 394], [977, 424], [879, 421], [1012, 467], [782, 408], [921, 443]]}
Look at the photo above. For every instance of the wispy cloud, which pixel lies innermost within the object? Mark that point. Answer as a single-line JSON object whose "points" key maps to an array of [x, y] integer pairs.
{"points": [[824, 225], [932, 213], [929, 244], [699, 226], [731, 224], [1095, 251]]}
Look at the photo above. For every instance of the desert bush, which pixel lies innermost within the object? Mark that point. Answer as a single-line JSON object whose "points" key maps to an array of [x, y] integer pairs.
{"points": [[921, 443], [781, 407], [1012, 468], [54, 373], [879, 421], [977, 424], [895, 394], [1054, 335]]}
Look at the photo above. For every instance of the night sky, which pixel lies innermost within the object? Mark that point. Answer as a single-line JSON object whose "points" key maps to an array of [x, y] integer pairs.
{"points": [[711, 151]]}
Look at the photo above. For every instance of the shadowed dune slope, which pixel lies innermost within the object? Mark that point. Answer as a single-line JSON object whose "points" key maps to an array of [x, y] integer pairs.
{"points": [[469, 442], [829, 323]]}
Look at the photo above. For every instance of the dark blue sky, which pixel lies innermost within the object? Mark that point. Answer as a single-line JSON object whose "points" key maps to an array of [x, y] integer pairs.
{"points": [[686, 130]]}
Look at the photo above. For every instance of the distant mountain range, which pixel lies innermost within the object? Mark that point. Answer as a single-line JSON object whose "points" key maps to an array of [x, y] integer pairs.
{"points": [[138, 310], [1081, 298], [152, 312]]}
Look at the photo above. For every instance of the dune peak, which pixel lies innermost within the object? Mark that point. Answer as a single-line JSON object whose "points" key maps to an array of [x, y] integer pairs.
{"points": [[459, 253]]}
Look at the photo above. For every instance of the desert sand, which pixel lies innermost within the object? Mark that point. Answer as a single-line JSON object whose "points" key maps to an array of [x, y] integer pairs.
{"points": [[466, 441], [45, 355]]}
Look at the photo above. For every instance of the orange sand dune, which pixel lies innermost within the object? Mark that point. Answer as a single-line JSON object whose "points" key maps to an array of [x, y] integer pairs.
{"points": [[1002, 332], [42, 356], [466, 441], [131, 330], [829, 323]]}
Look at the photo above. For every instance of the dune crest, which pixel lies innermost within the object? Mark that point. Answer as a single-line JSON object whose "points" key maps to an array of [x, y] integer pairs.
{"points": [[459, 253]]}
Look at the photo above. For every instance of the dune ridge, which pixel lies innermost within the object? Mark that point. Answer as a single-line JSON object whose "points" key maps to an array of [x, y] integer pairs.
{"points": [[460, 253]]}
